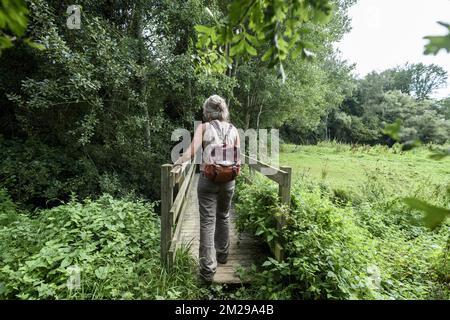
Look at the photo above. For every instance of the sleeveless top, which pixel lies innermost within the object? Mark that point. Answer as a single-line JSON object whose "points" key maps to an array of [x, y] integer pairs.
{"points": [[210, 136]]}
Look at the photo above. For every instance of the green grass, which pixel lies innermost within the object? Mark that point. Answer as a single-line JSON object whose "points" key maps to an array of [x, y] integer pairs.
{"points": [[341, 166]]}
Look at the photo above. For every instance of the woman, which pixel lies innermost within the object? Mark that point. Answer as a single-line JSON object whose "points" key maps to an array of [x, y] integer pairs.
{"points": [[214, 198]]}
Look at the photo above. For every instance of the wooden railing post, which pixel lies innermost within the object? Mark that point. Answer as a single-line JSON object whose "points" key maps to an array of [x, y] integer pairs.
{"points": [[166, 204], [284, 189], [284, 192]]}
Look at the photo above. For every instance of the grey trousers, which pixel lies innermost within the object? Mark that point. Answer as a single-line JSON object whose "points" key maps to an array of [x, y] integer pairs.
{"points": [[214, 201]]}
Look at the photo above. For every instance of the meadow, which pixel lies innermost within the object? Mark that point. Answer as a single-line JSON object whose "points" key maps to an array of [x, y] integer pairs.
{"points": [[347, 166]]}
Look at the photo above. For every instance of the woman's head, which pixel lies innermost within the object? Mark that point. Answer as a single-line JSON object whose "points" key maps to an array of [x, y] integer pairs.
{"points": [[215, 108]]}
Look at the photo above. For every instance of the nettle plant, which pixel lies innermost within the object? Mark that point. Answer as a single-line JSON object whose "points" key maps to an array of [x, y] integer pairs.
{"points": [[112, 244], [326, 253]]}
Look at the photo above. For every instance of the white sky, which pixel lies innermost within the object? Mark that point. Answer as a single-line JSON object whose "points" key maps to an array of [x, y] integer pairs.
{"points": [[387, 33]]}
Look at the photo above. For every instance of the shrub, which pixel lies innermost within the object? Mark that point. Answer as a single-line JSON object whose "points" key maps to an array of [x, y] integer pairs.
{"points": [[7, 208], [341, 245], [38, 175], [114, 243]]}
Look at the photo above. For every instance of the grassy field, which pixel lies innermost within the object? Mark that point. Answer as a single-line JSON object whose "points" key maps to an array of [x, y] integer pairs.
{"points": [[345, 167]]}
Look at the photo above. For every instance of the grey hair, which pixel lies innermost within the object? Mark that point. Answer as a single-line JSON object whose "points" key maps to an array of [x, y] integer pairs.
{"points": [[215, 108]]}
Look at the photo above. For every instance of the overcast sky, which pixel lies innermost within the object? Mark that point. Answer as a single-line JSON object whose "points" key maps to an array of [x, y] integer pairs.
{"points": [[387, 33]]}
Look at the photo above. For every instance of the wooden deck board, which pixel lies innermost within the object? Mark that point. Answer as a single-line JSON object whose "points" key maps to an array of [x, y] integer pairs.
{"points": [[244, 249]]}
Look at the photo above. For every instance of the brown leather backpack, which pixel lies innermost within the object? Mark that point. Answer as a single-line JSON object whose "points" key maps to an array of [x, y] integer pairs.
{"points": [[225, 163]]}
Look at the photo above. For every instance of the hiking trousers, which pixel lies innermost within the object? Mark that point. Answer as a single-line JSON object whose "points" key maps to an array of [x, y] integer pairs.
{"points": [[214, 200]]}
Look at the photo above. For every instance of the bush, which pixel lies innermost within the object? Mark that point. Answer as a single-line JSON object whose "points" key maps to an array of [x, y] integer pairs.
{"points": [[7, 208], [327, 254], [342, 245], [114, 243], [39, 176]]}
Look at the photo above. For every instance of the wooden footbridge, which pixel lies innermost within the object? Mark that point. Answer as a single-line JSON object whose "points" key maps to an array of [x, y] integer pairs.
{"points": [[180, 219]]}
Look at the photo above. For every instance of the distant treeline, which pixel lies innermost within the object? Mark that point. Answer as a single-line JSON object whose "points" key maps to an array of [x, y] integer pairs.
{"points": [[403, 93]]}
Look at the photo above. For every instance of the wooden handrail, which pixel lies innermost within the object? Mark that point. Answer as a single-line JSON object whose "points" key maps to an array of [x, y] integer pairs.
{"points": [[166, 204], [175, 182], [282, 176]]}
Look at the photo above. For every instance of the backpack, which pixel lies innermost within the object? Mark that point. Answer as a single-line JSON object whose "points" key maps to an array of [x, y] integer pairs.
{"points": [[225, 163]]}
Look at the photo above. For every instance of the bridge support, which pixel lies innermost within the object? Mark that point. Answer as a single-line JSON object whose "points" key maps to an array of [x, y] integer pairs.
{"points": [[166, 204]]}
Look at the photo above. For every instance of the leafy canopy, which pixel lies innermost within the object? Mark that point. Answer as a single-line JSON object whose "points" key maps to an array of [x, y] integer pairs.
{"points": [[250, 25]]}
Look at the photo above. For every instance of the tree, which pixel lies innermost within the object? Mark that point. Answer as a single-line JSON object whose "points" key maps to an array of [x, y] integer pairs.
{"points": [[443, 107], [250, 24], [98, 105], [425, 79]]}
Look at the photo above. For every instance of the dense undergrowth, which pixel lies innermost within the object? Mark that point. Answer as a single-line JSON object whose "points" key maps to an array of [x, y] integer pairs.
{"points": [[340, 244], [114, 243]]}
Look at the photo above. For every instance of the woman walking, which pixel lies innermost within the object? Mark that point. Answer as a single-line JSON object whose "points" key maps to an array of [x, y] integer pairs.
{"points": [[220, 144]]}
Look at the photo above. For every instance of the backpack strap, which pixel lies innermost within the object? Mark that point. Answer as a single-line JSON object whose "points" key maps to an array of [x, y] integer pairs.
{"points": [[216, 128], [215, 125], [228, 132]]}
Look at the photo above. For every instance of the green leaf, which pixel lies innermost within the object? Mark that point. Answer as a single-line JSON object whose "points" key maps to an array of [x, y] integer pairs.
{"points": [[434, 216], [296, 52], [15, 16], [252, 39], [239, 48], [5, 42], [34, 45], [122, 214], [101, 273], [322, 16], [259, 231], [203, 29], [266, 264], [437, 43], [66, 262], [267, 54], [250, 50]]}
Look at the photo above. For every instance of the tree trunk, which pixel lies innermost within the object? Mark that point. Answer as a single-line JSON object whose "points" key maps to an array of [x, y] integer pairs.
{"points": [[259, 116], [247, 120], [247, 113], [138, 16]]}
